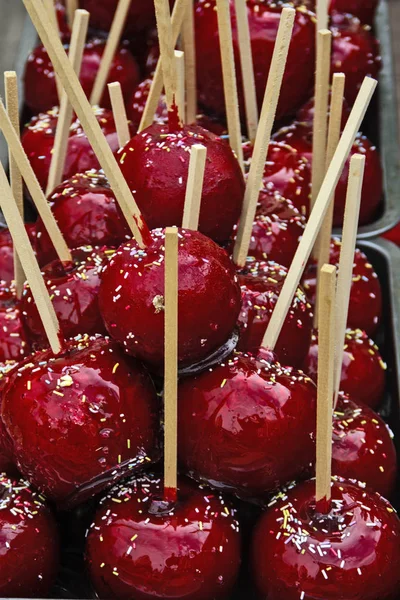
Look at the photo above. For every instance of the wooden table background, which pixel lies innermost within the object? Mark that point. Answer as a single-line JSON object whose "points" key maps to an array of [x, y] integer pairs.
{"points": [[12, 17]]}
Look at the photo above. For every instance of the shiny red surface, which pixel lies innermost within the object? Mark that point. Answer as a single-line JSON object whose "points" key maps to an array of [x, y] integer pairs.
{"points": [[363, 370], [7, 251], [85, 209], [14, 341], [140, 15], [352, 553], [261, 284], [7, 463], [74, 291], [299, 136], [155, 164], [246, 426], [141, 547], [393, 235], [40, 86], [138, 101], [132, 302], [365, 309], [363, 448], [306, 112], [82, 419], [363, 9], [355, 52], [263, 21], [29, 542], [38, 141]]}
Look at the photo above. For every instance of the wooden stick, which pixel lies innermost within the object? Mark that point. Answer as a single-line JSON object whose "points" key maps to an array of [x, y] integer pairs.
{"points": [[119, 113], [229, 79], [326, 363], [171, 363], [65, 115], [166, 41], [88, 120], [189, 49], [321, 206], [153, 98], [11, 90], [52, 15], [33, 186], [71, 7], [180, 98], [345, 277], [263, 136], [335, 122], [194, 187], [324, 43], [322, 14], [246, 60], [29, 263], [113, 40]]}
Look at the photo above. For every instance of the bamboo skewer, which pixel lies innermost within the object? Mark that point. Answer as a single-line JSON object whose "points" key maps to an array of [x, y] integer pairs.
{"points": [[171, 364], [52, 15], [33, 186], [180, 98], [88, 120], [71, 7], [246, 59], [345, 276], [321, 206], [166, 42], [153, 98], [326, 364], [113, 41], [194, 187], [29, 263], [335, 122], [119, 113], [322, 14], [229, 79], [65, 115], [189, 49], [11, 91], [263, 136]]}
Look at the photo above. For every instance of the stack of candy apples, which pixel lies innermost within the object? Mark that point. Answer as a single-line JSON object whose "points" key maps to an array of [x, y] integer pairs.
{"points": [[188, 372]]}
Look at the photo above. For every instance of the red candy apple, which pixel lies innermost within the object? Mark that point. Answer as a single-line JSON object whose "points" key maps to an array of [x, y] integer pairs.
{"points": [[246, 425], [140, 16], [363, 370], [7, 463], [363, 9], [38, 141], [155, 164], [263, 21], [362, 447], [7, 251], [393, 234], [80, 420], [261, 284], [40, 85], [365, 308], [29, 559], [350, 553], [85, 209], [132, 298], [74, 291], [306, 113], [142, 547], [14, 341]]}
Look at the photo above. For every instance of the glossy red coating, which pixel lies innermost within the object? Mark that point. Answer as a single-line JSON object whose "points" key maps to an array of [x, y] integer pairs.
{"points": [[363, 9], [286, 172], [38, 141], [263, 21], [29, 558], [306, 112], [7, 251], [14, 341], [393, 235], [365, 308], [246, 426], [74, 291], [7, 463], [138, 101], [276, 232], [355, 52], [140, 16], [39, 81], [363, 447], [363, 370], [155, 164], [132, 302], [141, 547], [85, 209], [299, 136], [261, 284], [352, 553], [82, 419]]}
